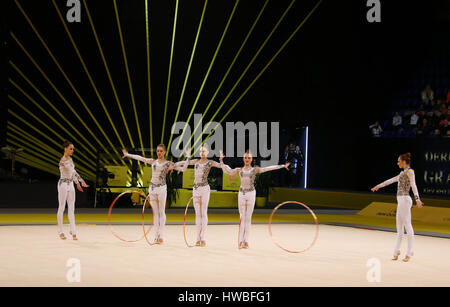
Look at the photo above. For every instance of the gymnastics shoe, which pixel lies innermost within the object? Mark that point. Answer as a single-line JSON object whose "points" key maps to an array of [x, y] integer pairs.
{"points": [[74, 236], [396, 257]]}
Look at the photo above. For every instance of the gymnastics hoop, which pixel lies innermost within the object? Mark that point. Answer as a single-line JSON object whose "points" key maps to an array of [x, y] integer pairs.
{"points": [[112, 205], [184, 223], [310, 211]]}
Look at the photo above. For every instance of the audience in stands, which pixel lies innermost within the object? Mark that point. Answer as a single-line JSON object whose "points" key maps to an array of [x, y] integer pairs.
{"points": [[397, 121], [427, 95], [376, 130], [429, 119], [436, 133], [443, 126], [424, 128], [413, 121]]}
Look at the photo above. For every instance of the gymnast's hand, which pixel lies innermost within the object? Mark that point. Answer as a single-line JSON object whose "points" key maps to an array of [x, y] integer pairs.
{"points": [[84, 185], [286, 166], [419, 204], [188, 153], [125, 153], [221, 155], [374, 189], [79, 187]]}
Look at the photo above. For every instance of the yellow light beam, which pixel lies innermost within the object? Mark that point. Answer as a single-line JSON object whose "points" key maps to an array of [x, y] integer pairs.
{"points": [[228, 71], [187, 73], [208, 71], [43, 167], [49, 116], [109, 74], [54, 87], [110, 79], [37, 145], [68, 80], [17, 130], [41, 160], [94, 87], [267, 65], [30, 148], [148, 77], [41, 121], [34, 128], [130, 86], [44, 155], [48, 164], [170, 70], [247, 68], [54, 169], [65, 120]]}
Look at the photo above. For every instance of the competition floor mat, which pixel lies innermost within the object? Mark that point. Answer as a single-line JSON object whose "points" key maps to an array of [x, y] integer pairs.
{"points": [[349, 218]]}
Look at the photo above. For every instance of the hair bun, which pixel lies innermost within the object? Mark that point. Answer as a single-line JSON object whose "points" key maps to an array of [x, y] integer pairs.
{"points": [[406, 157], [66, 143]]}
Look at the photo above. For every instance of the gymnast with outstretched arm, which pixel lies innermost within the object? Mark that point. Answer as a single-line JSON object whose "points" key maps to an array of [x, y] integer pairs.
{"points": [[406, 180], [158, 189], [247, 192], [201, 192]]}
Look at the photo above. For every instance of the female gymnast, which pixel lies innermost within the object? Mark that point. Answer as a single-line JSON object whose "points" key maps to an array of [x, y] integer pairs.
{"points": [[66, 191], [158, 189], [406, 180], [201, 192], [247, 192]]}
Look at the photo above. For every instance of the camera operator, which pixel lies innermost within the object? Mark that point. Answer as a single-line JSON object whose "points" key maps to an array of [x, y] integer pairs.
{"points": [[294, 156]]}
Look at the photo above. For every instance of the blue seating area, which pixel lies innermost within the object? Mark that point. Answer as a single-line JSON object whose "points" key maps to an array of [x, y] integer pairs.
{"points": [[399, 134], [408, 100]]}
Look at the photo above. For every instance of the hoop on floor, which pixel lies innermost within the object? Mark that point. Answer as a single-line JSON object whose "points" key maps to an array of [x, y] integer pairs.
{"points": [[184, 223], [112, 205], [315, 220]]}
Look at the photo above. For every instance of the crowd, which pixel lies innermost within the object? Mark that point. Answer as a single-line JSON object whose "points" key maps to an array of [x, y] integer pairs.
{"points": [[430, 119]]}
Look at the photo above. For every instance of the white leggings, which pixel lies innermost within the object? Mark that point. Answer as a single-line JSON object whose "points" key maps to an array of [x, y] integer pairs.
{"points": [[158, 198], [201, 200], [246, 205], [66, 193], [403, 218]]}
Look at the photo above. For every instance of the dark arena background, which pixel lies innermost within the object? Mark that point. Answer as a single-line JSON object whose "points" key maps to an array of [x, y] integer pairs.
{"points": [[344, 87]]}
